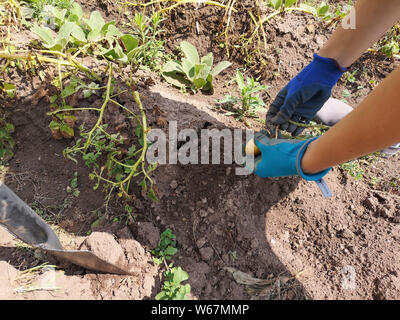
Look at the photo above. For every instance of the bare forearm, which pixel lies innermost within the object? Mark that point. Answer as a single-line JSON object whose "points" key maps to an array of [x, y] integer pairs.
{"points": [[372, 126], [373, 19]]}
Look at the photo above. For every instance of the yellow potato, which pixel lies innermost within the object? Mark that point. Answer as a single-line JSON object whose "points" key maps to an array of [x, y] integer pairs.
{"points": [[251, 149]]}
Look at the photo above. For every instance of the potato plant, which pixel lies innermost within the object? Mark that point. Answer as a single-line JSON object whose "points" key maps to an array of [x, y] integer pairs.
{"points": [[192, 71]]}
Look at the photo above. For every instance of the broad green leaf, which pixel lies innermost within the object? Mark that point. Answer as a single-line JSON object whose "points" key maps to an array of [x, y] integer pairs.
{"points": [[161, 296], [208, 60], [76, 10], [78, 33], [94, 35], [289, 3], [96, 21], [220, 67], [105, 27], [45, 35], [171, 66], [308, 8], [199, 83], [63, 35], [323, 10], [187, 68], [175, 79], [113, 31], [130, 42], [190, 52], [54, 125], [179, 275], [170, 251], [276, 4]]}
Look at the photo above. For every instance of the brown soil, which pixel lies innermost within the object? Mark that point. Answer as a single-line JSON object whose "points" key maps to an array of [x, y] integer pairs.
{"points": [[281, 230]]}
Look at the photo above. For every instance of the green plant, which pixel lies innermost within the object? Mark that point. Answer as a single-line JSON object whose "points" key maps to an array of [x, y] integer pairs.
{"points": [[280, 4], [250, 103], [150, 50], [354, 169], [389, 44], [8, 88], [166, 247], [39, 8], [114, 163], [73, 185], [81, 34], [7, 143], [173, 289], [192, 71]]}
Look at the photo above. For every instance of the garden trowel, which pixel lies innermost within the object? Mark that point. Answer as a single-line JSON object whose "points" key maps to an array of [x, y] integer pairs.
{"points": [[21, 221]]}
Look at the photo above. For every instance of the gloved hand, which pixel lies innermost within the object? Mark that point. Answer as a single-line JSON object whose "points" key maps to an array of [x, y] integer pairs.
{"points": [[304, 95], [280, 158]]}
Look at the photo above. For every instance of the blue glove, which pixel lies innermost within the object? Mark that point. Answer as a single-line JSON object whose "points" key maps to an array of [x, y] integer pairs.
{"points": [[304, 95], [281, 158]]}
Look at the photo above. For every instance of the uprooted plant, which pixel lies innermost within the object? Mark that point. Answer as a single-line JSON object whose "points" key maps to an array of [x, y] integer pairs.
{"points": [[122, 161], [192, 71]]}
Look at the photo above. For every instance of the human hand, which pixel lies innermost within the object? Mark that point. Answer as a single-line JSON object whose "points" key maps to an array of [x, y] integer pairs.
{"points": [[304, 95]]}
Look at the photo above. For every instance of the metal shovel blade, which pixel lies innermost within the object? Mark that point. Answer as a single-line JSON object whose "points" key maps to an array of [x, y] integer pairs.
{"points": [[21, 221]]}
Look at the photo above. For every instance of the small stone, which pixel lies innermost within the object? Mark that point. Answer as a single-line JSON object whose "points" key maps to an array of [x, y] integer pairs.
{"points": [[310, 28], [203, 213], [346, 234], [396, 219], [370, 203], [383, 212], [173, 184], [201, 242], [206, 253]]}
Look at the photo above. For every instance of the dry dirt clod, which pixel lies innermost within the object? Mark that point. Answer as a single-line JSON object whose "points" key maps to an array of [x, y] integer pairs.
{"points": [[206, 253]]}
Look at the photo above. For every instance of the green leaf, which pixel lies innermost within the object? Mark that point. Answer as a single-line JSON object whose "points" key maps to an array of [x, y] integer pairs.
{"points": [[240, 80], [190, 52], [96, 21], [106, 26], [208, 60], [10, 89], [113, 31], [188, 68], [171, 66], [152, 196], [289, 3], [170, 251], [94, 35], [130, 42], [199, 83], [323, 10], [308, 8], [179, 275], [45, 34], [220, 67], [76, 10], [78, 33]]}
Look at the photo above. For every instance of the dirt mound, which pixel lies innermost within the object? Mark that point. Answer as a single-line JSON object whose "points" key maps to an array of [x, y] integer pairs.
{"points": [[47, 282]]}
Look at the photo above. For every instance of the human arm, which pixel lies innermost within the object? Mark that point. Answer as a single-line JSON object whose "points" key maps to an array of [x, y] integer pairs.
{"points": [[304, 95]]}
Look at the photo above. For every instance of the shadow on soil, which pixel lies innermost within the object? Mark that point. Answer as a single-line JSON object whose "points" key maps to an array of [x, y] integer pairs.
{"points": [[219, 218]]}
